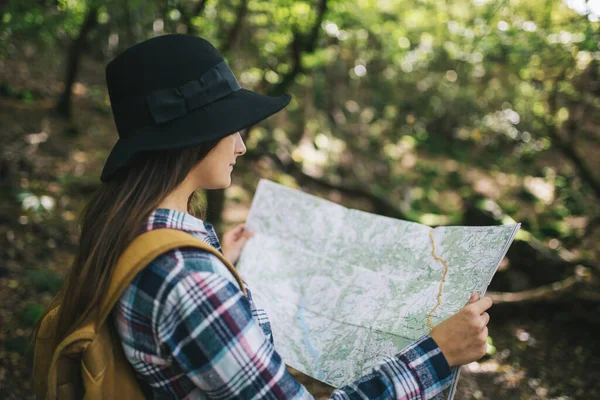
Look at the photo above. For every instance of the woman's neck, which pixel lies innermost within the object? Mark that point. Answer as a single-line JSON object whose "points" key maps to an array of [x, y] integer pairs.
{"points": [[177, 199]]}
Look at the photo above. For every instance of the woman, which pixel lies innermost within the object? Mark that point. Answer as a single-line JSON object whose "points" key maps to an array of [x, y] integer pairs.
{"points": [[185, 325]]}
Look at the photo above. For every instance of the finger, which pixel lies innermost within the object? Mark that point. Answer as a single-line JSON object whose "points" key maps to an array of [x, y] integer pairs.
{"points": [[236, 232], [482, 305], [244, 234], [486, 318], [242, 241], [474, 297]]}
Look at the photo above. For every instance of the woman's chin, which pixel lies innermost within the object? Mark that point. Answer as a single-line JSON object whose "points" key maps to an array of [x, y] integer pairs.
{"points": [[224, 184]]}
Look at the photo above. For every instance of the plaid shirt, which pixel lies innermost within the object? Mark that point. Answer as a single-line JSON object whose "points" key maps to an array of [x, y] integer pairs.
{"points": [[190, 333]]}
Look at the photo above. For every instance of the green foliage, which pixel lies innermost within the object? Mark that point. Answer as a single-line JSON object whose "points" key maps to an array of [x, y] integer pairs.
{"points": [[31, 313], [44, 280], [391, 92], [17, 344]]}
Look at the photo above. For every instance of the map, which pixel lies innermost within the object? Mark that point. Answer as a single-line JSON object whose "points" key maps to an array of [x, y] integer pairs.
{"points": [[344, 288]]}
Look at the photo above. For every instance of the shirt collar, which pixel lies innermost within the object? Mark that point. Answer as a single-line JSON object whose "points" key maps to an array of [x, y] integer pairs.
{"points": [[173, 219]]}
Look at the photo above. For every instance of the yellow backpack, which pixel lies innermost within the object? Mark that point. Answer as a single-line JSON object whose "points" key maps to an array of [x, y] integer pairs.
{"points": [[90, 362]]}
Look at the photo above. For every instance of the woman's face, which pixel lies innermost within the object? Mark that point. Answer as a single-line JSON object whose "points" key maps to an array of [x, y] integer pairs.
{"points": [[214, 170]]}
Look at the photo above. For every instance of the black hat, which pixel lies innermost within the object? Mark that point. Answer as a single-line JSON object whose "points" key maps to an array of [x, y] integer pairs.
{"points": [[176, 91]]}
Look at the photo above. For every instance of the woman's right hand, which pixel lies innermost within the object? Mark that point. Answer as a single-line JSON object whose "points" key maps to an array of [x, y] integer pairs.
{"points": [[463, 337]]}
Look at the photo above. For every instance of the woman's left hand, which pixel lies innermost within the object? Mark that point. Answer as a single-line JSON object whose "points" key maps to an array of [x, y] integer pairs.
{"points": [[233, 242]]}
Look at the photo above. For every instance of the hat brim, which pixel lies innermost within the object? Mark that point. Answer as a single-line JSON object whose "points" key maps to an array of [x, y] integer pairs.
{"points": [[237, 111]]}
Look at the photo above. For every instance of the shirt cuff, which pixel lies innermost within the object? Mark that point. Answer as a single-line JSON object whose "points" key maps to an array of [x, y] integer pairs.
{"points": [[428, 365]]}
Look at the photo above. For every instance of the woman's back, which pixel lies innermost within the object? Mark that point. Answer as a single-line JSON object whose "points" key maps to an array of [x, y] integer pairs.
{"points": [[176, 282]]}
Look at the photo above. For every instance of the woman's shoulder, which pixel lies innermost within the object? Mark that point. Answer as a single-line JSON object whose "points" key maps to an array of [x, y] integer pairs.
{"points": [[173, 272], [186, 260], [171, 268]]}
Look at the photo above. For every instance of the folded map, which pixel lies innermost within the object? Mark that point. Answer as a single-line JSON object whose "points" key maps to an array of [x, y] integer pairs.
{"points": [[344, 288]]}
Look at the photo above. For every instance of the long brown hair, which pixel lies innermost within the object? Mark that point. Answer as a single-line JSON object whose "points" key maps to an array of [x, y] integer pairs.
{"points": [[112, 219]]}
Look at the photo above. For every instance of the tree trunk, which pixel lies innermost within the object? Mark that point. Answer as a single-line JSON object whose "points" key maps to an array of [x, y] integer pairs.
{"points": [[234, 32], [186, 18], [63, 107], [128, 34], [302, 43], [216, 198]]}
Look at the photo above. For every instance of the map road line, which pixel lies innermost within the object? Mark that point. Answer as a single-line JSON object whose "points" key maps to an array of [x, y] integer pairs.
{"points": [[439, 296]]}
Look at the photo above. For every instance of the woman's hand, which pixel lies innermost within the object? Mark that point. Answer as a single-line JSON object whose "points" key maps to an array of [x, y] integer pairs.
{"points": [[463, 337], [233, 242]]}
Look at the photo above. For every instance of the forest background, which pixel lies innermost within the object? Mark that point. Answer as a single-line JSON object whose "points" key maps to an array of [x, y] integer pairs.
{"points": [[442, 112]]}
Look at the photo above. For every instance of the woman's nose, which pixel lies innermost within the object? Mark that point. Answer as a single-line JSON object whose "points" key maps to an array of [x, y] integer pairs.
{"points": [[240, 147]]}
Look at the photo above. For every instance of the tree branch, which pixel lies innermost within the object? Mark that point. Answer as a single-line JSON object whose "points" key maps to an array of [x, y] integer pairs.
{"points": [[90, 22], [234, 33], [300, 44], [566, 146], [540, 293], [494, 214], [311, 41], [186, 17], [573, 285], [585, 172], [382, 205]]}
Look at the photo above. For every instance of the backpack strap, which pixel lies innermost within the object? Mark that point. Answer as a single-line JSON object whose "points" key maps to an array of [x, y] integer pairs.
{"points": [[144, 249]]}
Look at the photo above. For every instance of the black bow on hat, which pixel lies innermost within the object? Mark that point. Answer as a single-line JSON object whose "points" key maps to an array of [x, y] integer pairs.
{"points": [[176, 91]]}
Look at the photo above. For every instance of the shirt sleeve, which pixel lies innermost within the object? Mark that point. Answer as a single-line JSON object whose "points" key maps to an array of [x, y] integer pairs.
{"points": [[207, 326]]}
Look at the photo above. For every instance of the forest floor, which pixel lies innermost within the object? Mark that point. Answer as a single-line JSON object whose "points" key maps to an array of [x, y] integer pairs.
{"points": [[48, 167]]}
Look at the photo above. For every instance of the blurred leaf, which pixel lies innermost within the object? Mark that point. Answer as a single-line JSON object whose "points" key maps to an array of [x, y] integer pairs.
{"points": [[44, 280]]}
